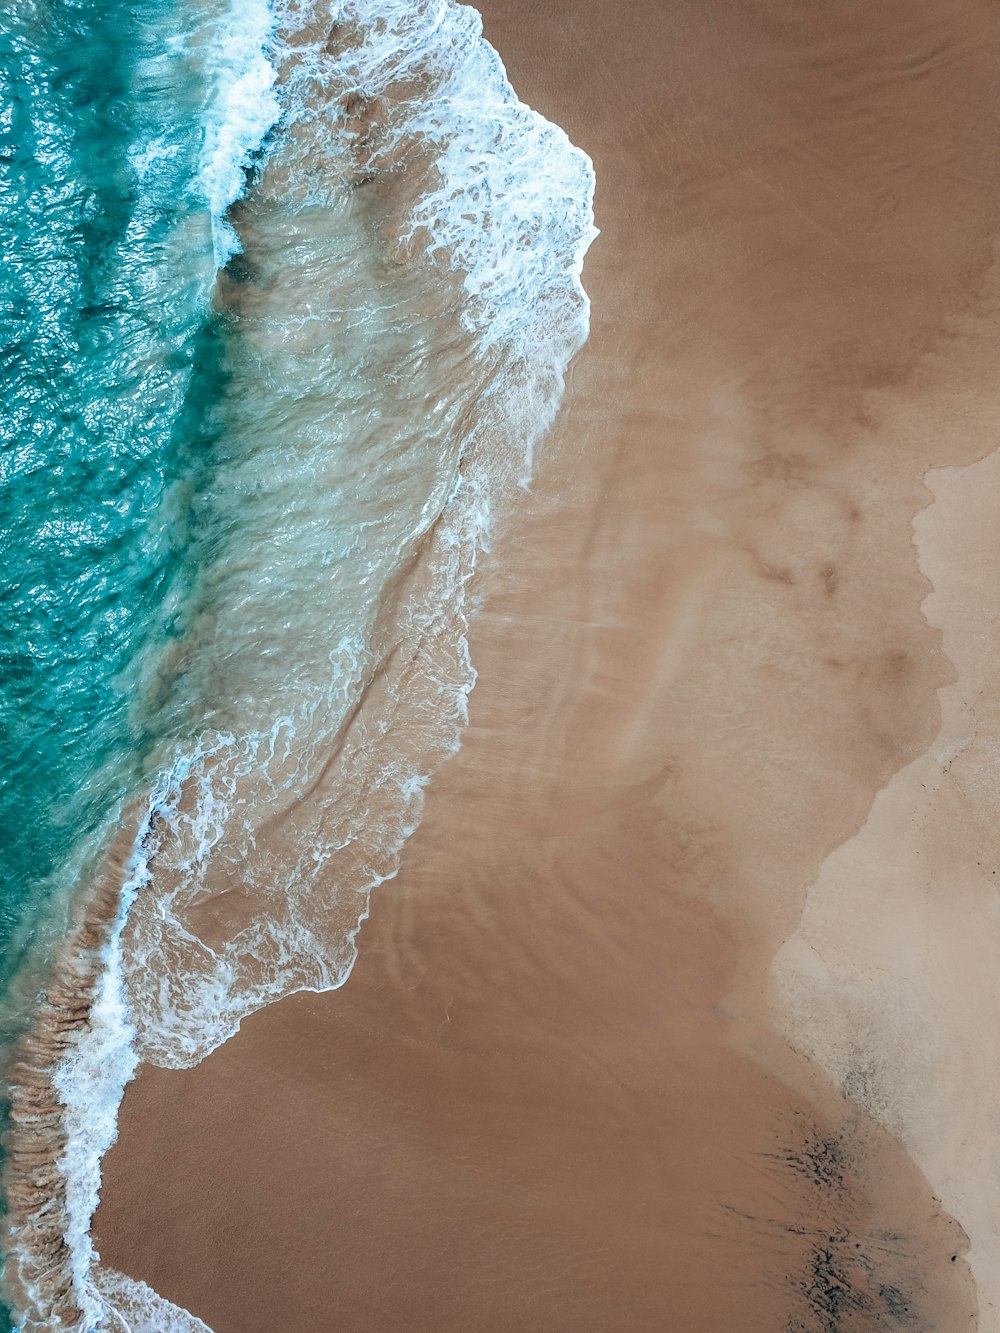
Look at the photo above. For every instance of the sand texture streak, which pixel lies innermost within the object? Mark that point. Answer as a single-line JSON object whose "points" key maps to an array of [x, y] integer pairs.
{"points": [[682, 1013]]}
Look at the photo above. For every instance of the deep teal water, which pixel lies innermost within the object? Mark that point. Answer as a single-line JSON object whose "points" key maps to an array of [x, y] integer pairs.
{"points": [[104, 315]]}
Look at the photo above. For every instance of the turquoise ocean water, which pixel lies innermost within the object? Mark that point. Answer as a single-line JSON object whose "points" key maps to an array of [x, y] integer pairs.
{"points": [[106, 341]]}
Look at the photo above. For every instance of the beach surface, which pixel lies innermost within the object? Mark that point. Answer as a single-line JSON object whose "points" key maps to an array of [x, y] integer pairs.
{"points": [[595, 1067]]}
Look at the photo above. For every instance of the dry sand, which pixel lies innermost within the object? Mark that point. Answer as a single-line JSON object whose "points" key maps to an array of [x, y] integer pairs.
{"points": [[555, 1092]]}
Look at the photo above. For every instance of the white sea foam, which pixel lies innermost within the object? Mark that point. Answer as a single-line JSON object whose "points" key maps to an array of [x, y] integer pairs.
{"points": [[269, 832], [242, 108], [513, 203]]}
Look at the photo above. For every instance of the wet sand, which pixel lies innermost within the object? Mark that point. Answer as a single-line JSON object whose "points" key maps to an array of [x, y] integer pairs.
{"points": [[556, 1092]]}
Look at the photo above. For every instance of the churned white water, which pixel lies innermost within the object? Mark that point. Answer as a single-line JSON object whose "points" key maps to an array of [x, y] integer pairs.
{"points": [[414, 249], [242, 108], [133, 1307]]}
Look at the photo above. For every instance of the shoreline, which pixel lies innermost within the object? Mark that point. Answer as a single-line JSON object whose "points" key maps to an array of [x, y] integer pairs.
{"points": [[558, 1067], [701, 655]]}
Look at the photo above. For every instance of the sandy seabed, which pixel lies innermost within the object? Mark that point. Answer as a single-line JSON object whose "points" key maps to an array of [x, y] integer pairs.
{"points": [[683, 1011]]}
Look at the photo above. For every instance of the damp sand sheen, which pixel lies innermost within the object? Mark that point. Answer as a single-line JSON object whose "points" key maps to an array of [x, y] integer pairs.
{"points": [[670, 996]]}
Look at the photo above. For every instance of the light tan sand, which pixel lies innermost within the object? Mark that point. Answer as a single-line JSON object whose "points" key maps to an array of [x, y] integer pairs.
{"points": [[891, 980], [550, 1096]]}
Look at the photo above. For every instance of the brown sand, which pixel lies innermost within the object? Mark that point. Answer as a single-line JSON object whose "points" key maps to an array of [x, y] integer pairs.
{"points": [[550, 1096]]}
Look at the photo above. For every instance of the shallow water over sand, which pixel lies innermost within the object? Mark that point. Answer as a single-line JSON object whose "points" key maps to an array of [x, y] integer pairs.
{"points": [[384, 349]]}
